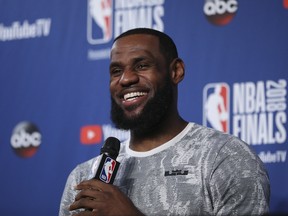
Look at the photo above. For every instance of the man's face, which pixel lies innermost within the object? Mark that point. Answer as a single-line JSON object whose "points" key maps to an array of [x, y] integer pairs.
{"points": [[140, 87]]}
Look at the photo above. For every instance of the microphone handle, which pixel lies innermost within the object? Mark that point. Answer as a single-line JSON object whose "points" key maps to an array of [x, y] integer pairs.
{"points": [[107, 169]]}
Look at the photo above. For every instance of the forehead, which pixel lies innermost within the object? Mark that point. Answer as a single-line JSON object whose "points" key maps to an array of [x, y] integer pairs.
{"points": [[135, 44]]}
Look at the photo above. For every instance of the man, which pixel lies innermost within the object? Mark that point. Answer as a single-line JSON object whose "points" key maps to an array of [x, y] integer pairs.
{"points": [[168, 166]]}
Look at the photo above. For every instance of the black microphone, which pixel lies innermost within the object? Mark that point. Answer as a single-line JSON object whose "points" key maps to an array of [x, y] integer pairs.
{"points": [[108, 165]]}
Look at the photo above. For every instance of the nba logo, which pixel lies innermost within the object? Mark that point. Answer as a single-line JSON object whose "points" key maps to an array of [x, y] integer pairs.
{"points": [[99, 21], [216, 106], [107, 170]]}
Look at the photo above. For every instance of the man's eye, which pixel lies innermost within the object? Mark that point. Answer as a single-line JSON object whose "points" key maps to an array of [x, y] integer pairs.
{"points": [[115, 72], [142, 66]]}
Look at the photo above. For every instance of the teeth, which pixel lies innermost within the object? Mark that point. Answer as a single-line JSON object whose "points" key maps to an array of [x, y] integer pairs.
{"points": [[132, 95]]}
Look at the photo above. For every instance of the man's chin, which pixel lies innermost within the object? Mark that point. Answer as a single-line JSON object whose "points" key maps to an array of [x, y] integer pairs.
{"points": [[133, 110], [131, 116]]}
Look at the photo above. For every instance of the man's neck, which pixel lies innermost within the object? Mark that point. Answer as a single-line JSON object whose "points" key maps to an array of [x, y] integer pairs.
{"points": [[165, 132]]}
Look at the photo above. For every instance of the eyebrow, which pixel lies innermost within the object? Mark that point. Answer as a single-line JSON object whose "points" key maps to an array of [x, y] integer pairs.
{"points": [[134, 61]]}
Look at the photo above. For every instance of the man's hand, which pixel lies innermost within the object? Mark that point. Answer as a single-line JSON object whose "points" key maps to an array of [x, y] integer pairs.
{"points": [[98, 198]]}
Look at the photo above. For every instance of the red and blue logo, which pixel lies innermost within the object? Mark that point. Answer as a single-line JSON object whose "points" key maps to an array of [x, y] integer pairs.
{"points": [[107, 170], [216, 106], [99, 21], [220, 12]]}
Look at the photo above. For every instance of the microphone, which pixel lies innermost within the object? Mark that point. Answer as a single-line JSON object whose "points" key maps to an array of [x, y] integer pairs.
{"points": [[108, 165]]}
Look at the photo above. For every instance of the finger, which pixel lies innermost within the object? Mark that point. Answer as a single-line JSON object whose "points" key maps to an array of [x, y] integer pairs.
{"points": [[96, 184], [86, 203], [88, 184], [89, 193]]}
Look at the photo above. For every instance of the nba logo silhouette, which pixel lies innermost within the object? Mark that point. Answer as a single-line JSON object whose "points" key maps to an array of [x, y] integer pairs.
{"points": [[99, 21], [216, 106], [107, 170]]}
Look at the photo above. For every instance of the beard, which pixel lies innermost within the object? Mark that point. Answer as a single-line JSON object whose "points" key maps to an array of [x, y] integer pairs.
{"points": [[154, 113]]}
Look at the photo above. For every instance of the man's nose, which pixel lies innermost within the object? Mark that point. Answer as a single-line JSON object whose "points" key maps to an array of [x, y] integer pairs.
{"points": [[129, 77]]}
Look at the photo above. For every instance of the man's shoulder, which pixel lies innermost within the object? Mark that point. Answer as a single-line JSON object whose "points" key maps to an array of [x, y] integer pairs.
{"points": [[211, 140], [209, 135]]}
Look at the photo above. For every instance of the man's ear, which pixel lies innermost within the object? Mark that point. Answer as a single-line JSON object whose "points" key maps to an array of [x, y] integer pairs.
{"points": [[177, 70]]}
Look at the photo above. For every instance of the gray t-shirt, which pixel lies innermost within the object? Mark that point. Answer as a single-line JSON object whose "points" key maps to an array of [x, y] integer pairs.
{"points": [[201, 171]]}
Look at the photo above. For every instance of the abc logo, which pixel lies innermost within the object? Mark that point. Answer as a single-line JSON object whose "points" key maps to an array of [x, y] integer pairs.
{"points": [[25, 139], [220, 12]]}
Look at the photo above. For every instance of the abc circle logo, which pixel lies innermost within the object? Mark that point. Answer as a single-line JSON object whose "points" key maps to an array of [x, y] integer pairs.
{"points": [[220, 12], [25, 139]]}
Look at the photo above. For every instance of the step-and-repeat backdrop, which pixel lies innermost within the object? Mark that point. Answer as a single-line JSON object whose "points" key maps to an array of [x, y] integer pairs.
{"points": [[54, 97]]}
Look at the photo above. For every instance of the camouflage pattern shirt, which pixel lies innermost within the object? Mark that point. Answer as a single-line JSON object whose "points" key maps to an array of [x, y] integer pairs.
{"points": [[201, 171]]}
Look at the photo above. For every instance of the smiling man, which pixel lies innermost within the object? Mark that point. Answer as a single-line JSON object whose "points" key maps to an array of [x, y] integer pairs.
{"points": [[168, 166], [143, 86]]}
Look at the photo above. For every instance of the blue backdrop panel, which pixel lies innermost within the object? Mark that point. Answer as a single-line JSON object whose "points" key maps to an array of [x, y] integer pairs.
{"points": [[54, 79]]}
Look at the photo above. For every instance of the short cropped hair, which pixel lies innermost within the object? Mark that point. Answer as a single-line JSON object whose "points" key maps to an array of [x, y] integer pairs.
{"points": [[167, 45]]}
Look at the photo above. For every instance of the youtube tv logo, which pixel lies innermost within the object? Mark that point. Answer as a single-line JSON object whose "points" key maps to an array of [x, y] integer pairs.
{"points": [[91, 134], [96, 134], [285, 4]]}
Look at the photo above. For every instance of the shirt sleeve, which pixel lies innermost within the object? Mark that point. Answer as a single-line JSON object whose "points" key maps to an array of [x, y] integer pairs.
{"points": [[69, 193], [239, 183], [80, 173]]}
